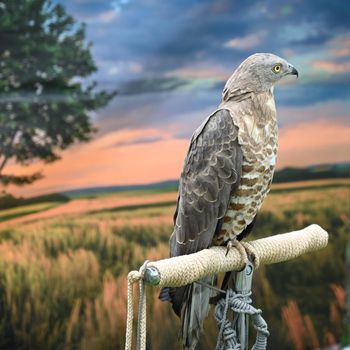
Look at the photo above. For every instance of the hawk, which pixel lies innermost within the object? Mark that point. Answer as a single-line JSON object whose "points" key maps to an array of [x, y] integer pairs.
{"points": [[227, 174]]}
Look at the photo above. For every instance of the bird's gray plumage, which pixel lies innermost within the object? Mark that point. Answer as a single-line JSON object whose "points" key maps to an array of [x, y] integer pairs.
{"points": [[211, 171], [226, 176]]}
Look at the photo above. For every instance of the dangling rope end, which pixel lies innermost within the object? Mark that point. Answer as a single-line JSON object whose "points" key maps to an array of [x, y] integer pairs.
{"points": [[136, 276]]}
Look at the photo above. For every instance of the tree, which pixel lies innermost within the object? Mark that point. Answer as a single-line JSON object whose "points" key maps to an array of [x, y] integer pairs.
{"points": [[45, 105]]}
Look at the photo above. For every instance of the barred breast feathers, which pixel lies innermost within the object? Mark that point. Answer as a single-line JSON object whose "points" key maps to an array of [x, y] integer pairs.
{"points": [[255, 118]]}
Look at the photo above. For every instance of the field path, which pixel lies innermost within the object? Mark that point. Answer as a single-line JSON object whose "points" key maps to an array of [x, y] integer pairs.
{"points": [[77, 206], [85, 205]]}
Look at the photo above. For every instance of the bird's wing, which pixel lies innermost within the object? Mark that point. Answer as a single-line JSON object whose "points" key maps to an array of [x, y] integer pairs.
{"points": [[211, 172]]}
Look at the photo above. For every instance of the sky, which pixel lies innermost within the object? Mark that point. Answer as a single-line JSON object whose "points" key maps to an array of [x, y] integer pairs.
{"points": [[169, 61]]}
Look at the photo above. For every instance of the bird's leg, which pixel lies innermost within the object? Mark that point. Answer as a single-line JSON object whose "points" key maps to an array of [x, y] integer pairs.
{"points": [[251, 253], [240, 247], [246, 251]]}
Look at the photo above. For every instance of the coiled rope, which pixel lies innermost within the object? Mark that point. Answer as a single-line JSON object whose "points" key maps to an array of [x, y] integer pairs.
{"points": [[182, 270]]}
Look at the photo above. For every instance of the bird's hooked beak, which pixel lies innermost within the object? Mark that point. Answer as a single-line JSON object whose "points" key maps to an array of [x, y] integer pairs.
{"points": [[292, 70]]}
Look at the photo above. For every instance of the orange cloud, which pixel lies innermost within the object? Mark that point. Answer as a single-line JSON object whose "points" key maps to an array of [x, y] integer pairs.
{"points": [[337, 47], [340, 45], [330, 66], [245, 42], [201, 71], [102, 162], [314, 143]]}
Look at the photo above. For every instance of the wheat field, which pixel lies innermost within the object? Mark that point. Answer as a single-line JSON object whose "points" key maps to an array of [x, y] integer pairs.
{"points": [[63, 276]]}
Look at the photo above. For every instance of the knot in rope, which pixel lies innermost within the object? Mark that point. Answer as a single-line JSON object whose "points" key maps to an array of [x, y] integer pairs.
{"points": [[227, 335], [239, 303]]}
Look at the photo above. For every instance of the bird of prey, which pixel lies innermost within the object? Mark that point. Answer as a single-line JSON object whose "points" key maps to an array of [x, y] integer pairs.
{"points": [[227, 174]]}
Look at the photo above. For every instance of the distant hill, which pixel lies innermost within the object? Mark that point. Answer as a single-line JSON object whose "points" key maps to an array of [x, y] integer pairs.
{"points": [[169, 185], [315, 172]]}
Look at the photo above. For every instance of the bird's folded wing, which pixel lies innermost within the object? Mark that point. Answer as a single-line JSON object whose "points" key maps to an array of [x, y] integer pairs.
{"points": [[211, 173]]}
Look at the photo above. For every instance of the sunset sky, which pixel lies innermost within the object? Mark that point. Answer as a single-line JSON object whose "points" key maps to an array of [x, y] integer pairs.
{"points": [[169, 60]]}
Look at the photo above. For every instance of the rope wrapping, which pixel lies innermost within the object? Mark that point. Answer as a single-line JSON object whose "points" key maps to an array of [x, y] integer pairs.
{"points": [[186, 269]]}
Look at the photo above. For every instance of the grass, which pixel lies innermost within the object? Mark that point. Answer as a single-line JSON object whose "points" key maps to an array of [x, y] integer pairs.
{"points": [[63, 279]]}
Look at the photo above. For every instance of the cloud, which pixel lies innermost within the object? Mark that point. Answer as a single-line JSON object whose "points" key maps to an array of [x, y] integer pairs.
{"points": [[141, 86], [335, 58], [122, 66], [288, 93], [166, 42], [101, 162], [141, 140], [188, 52], [204, 70], [335, 88], [128, 137], [107, 16], [88, 9], [314, 143], [335, 111], [339, 46], [119, 4], [170, 60], [245, 42], [171, 110], [331, 66]]}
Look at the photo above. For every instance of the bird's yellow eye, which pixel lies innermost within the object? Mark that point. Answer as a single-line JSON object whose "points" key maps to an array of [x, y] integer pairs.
{"points": [[277, 68]]}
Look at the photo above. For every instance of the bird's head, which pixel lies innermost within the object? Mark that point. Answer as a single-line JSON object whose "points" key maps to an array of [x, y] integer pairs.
{"points": [[259, 72], [266, 67]]}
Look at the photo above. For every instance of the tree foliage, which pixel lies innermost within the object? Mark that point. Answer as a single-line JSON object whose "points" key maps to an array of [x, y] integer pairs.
{"points": [[45, 105]]}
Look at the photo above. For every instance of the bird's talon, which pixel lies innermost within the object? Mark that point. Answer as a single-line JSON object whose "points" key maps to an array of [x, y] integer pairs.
{"points": [[241, 250], [228, 247], [254, 258]]}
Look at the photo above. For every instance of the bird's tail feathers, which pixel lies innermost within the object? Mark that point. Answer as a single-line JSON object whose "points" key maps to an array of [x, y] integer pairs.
{"points": [[191, 303], [229, 280], [194, 312], [176, 296]]}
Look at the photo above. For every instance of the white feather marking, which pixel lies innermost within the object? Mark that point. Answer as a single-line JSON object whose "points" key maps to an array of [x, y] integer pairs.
{"points": [[182, 243], [251, 175], [271, 103], [273, 160]]}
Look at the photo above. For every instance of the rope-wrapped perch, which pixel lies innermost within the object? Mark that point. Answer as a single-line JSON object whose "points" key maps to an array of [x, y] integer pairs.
{"points": [[182, 270]]}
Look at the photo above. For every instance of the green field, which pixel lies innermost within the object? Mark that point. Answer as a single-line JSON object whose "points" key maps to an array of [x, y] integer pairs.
{"points": [[63, 279], [12, 213]]}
